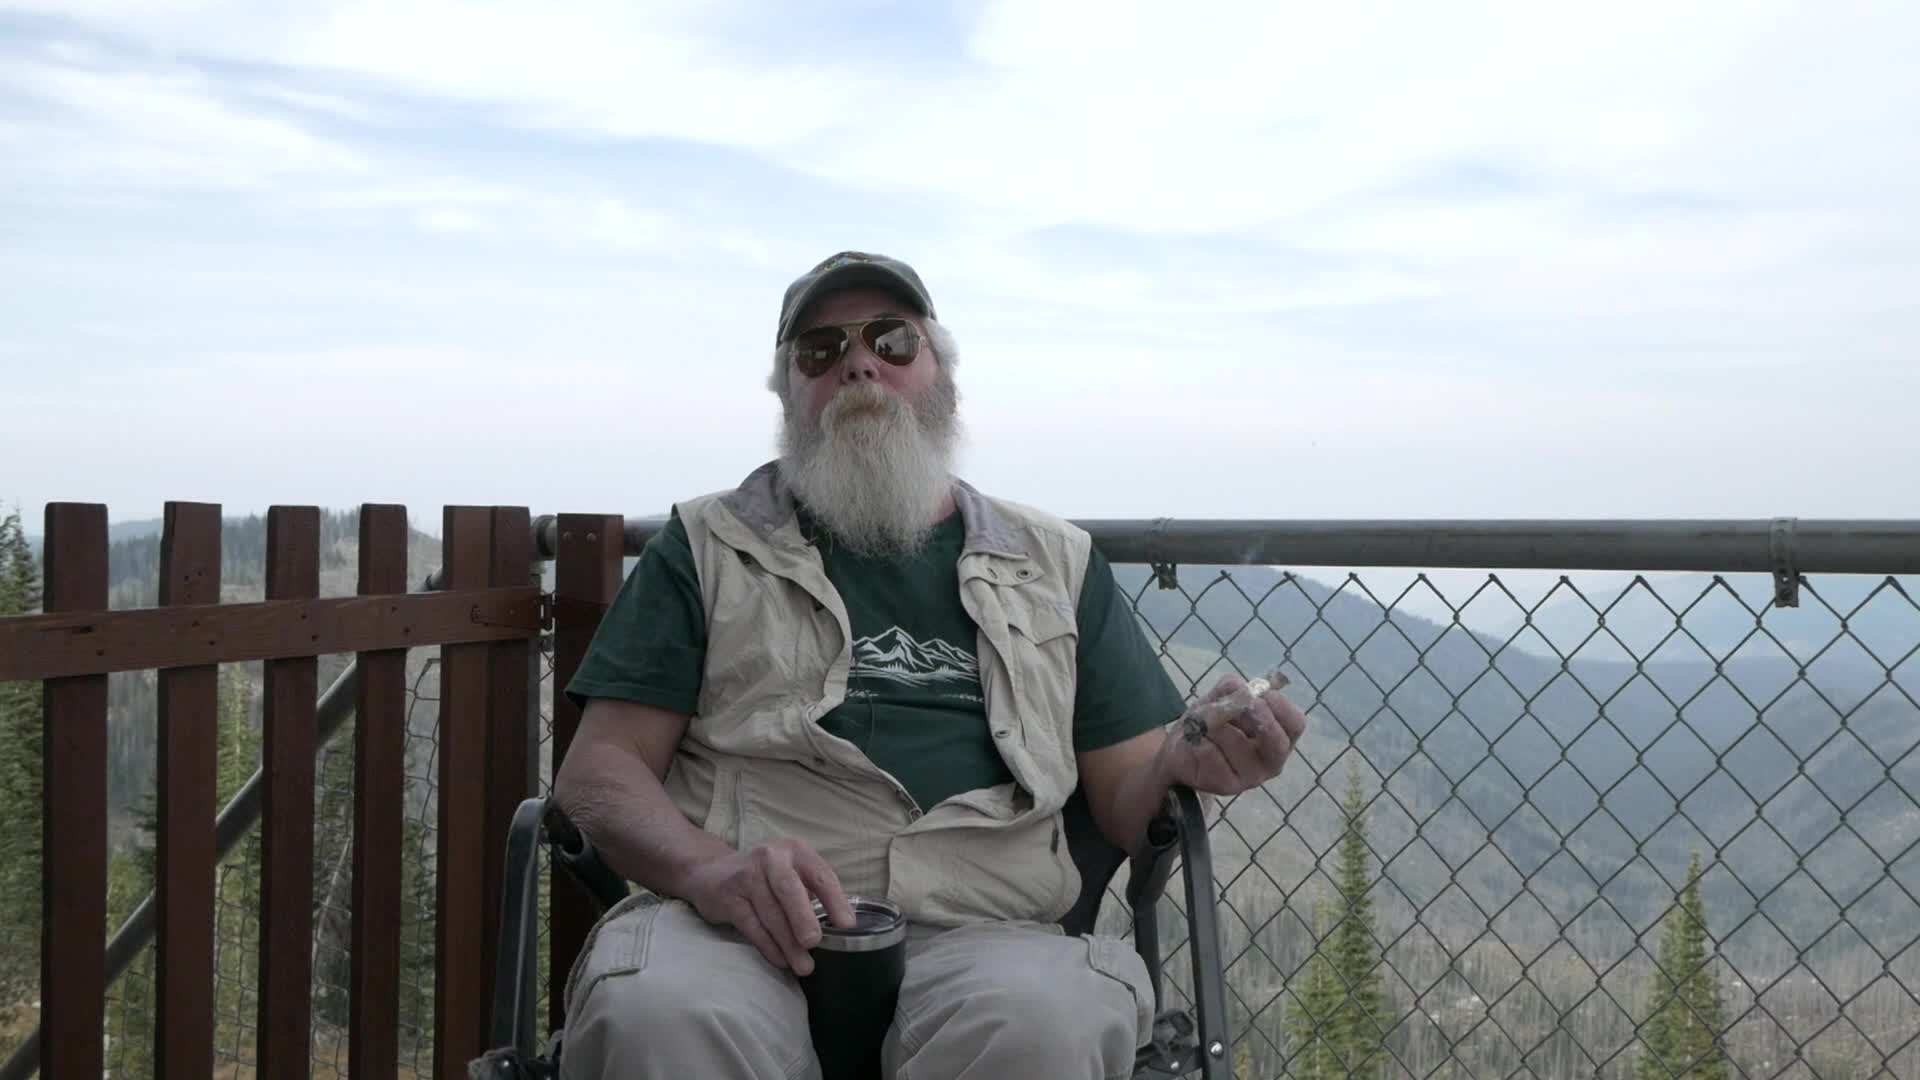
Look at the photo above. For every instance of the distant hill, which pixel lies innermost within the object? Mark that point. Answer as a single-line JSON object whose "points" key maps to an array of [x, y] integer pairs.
{"points": [[116, 531], [1719, 612], [133, 566], [1531, 819], [1594, 774]]}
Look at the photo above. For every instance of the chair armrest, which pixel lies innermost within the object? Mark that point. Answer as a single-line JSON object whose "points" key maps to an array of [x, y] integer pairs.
{"points": [[1181, 828], [1150, 866], [536, 820], [575, 853], [1152, 861], [1203, 935], [511, 1024]]}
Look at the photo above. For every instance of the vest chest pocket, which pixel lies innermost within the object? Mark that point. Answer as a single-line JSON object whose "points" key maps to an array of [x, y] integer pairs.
{"points": [[1045, 638], [755, 626], [1041, 619]]}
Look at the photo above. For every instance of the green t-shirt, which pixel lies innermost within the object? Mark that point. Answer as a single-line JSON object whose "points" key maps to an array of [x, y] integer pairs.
{"points": [[913, 705]]}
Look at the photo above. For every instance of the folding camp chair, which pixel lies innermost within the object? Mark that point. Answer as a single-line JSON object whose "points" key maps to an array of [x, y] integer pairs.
{"points": [[1184, 1041]]}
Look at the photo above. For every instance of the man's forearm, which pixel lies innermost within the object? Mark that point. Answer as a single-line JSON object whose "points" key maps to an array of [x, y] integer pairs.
{"points": [[1137, 799], [634, 825]]}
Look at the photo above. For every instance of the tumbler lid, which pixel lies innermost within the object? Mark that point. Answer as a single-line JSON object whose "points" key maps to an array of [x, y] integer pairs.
{"points": [[877, 924]]}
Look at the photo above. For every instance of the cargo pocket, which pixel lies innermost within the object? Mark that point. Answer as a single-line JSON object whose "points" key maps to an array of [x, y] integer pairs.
{"points": [[617, 945], [723, 813], [1119, 961]]}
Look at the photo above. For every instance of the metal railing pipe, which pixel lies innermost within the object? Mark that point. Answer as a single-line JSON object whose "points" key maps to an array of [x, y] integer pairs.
{"points": [[1812, 546]]}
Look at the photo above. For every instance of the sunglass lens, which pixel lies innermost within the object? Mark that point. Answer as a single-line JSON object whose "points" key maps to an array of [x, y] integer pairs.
{"points": [[817, 350], [892, 340]]}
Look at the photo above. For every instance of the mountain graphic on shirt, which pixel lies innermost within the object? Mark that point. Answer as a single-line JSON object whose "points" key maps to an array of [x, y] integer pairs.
{"points": [[895, 655]]}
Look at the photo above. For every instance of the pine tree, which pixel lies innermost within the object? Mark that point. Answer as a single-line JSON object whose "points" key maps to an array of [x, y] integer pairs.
{"points": [[1356, 959], [20, 790], [417, 897], [237, 889], [131, 876], [1313, 1024], [130, 1010], [1340, 1029], [19, 570], [334, 797], [1683, 1030]]}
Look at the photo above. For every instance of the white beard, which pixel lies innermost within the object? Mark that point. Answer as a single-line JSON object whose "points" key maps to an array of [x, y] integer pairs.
{"points": [[872, 468]]}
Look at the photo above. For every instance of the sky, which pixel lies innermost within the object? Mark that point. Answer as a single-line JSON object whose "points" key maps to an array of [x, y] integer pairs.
{"points": [[1203, 260]]}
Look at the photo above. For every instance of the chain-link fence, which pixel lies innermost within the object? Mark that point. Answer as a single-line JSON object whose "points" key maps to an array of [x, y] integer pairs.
{"points": [[1529, 782], [1478, 862]]}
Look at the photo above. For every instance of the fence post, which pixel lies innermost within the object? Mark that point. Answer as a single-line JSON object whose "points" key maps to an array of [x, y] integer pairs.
{"points": [[186, 773], [537, 729], [459, 979], [73, 851], [290, 692], [508, 764], [379, 810], [483, 768], [587, 575]]}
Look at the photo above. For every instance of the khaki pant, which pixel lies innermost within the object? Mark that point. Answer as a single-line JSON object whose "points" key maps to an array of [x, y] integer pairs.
{"points": [[660, 993]]}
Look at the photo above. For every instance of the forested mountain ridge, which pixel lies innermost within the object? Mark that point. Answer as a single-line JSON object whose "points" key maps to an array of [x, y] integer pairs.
{"points": [[1600, 759], [1533, 800], [133, 581], [133, 559]]}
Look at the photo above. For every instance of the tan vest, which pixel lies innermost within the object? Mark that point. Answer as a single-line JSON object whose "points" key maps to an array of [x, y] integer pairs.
{"points": [[756, 766]]}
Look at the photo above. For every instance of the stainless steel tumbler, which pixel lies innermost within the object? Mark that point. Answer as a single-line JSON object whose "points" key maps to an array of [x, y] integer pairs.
{"points": [[854, 986]]}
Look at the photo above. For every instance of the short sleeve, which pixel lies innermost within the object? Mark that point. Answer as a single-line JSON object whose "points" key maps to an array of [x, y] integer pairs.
{"points": [[1123, 688], [650, 647]]}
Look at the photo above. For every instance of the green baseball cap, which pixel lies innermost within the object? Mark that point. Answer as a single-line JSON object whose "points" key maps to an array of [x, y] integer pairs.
{"points": [[848, 269]]}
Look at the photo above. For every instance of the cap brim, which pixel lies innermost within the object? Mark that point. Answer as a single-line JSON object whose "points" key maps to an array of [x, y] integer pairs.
{"points": [[850, 276]]}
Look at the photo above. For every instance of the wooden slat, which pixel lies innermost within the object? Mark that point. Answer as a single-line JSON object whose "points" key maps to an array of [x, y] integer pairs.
{"points": [[286, 886], [95, 642], [186, 777], [459, 982], [380, 734], [73, 867], [510, 753], [587, 575]]}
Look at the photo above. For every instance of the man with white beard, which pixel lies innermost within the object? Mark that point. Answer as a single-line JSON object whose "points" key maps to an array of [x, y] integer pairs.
{"points": [[854, 674]]}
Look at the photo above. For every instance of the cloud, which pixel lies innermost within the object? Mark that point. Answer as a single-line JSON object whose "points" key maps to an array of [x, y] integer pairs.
{"points": [[1171, 121], [621, 226], [1442, 258], [1154, 283], [598, 67], [322, 104], [1194, 118], [158, 127], [98, 122], [426, 424], [449, 219]]}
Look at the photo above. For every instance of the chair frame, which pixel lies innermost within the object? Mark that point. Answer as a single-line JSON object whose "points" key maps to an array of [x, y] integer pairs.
{"points": [[1182, 1044]]}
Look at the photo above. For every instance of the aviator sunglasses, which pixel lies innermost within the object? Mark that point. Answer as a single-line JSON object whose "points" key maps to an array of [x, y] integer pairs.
{"points": [[888, 337]]}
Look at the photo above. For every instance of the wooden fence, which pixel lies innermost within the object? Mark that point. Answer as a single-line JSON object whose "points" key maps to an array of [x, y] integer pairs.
{"points": [[588, 558], [486, 619]]}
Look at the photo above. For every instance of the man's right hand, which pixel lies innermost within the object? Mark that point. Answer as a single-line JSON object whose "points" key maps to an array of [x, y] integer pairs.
{"points": [[767, 894]]}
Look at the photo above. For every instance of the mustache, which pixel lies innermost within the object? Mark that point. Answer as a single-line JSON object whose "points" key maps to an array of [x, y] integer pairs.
{"points": [[862, 400], [859, 396]]}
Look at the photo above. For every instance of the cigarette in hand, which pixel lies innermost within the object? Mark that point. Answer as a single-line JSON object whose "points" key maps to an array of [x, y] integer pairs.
{"points": [[1203, 718]]}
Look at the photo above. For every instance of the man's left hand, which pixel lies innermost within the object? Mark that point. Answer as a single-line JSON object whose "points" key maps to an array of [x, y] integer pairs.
{"points": [[1242, 753]]}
